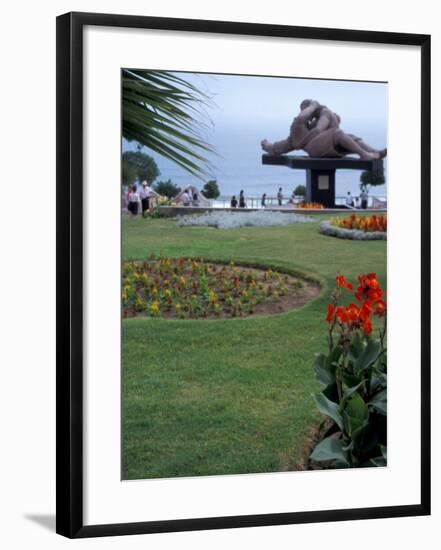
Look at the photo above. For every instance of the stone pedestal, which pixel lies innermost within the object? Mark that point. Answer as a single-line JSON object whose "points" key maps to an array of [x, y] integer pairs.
{"points": [[320, 173], [320, 187]]}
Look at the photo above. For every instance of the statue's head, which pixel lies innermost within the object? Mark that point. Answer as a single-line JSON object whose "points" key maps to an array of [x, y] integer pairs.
{"points": [[305, 103]]}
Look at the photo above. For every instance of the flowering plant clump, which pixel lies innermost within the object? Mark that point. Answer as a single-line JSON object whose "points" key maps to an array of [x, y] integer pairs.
{"points": [[362, 223], [355, 374], [153, 211], [229, 220], [305, 204], [189, 288]]}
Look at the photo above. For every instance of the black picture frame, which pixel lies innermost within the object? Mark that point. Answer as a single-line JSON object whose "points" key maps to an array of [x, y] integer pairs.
{"points": [[69, 332]]}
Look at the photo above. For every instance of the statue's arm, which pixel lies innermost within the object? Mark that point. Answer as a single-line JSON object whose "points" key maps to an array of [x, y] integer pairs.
{"points": [[307, 113], [323, 122]]}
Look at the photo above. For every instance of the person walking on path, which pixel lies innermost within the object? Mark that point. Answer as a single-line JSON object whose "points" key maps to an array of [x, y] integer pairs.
{"points": [[144, 195], [185, 198], [233, 203], [263, 201], [280, 196], [364, 199], [242, 203], [349, 200], [133, 201]]}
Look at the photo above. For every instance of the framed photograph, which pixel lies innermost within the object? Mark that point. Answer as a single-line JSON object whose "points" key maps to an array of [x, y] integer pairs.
{"points": [[243, 274]]}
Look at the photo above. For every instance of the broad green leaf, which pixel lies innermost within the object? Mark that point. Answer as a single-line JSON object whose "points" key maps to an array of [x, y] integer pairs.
{"points": [[351, 380], [329, 448], [379, 402], [323, 375], [379, 461], [368, 356], [320, 360], [333, 357], [347, 392], [329, 408], [378, 381], [355, 347], [357, 408], [355, 414]]}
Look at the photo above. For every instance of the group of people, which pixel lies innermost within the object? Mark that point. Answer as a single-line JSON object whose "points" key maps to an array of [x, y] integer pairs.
{"points": [[351, 201], [241, 203], [357, 202], [189, 199], [279, 198], [135, 198]]}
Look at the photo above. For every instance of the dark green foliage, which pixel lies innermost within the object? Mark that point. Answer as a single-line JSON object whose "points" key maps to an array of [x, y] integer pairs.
{"points": [[300, 190], [129, 172], [371, 178], [167, 188], [141, 164], [355, 398], [211, 189]]}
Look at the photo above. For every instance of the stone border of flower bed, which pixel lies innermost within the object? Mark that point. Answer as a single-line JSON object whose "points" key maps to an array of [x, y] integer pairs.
{"points": [[327, 228]]}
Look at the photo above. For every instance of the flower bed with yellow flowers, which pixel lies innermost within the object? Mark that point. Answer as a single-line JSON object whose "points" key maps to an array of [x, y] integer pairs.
{"points": [[354, 372], [189, 288], [354, 226]]}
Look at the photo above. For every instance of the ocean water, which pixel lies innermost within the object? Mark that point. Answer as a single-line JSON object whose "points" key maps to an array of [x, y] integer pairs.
{"points": [[238, 164]]}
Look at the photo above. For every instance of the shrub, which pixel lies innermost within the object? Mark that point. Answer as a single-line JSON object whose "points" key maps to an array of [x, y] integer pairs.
{"points": [[371, 178], [354, 372], [300, 191], [211, 189], [167, 188], [139, 164]]}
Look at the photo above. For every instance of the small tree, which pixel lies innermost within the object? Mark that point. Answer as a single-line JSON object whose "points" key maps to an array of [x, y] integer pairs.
{"points": [[368, 178], [167, 188], [211, 189], [144, 166], [300, 190], [129, 173]]}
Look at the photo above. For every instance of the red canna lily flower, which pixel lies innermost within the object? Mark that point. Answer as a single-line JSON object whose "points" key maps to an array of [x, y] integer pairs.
{"points": [[374, 294], [380, 308], [372, 282], [341, 314], [341, 281], [366, 310], [330, 315], [353, 312], [367, 326]]}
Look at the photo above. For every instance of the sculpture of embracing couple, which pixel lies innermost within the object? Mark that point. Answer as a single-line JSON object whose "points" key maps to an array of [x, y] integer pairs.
{"points": [[316, 130]]}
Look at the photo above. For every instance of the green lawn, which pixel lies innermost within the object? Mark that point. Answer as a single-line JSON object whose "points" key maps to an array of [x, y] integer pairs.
{"points": [[229, 396]]}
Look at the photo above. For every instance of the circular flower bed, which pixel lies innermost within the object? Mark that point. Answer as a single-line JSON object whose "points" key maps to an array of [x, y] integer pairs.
{"points": [[188, 288], [357, 227]]}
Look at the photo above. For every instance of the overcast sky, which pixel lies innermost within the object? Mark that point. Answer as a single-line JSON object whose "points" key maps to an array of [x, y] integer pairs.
{"points": [[246, 109], [272, 102]]}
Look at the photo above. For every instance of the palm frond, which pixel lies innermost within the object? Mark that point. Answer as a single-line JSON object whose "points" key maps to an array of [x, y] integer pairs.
{"points": [[165, 113]]}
